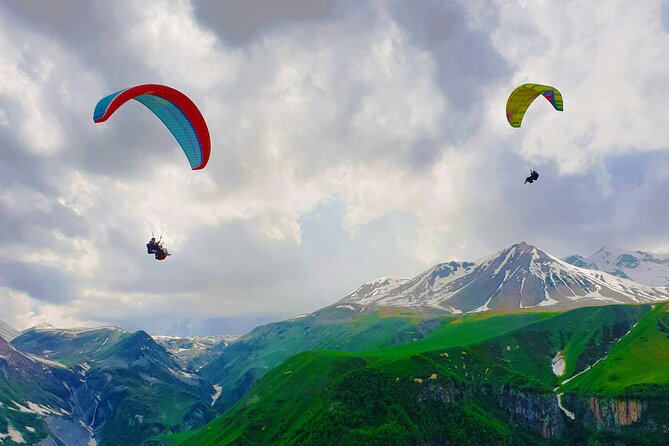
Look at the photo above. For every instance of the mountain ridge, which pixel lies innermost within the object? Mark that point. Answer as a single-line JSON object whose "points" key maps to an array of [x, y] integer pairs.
{"points": [[134, 388], [193, 352], [640, 266], [519, 277]]}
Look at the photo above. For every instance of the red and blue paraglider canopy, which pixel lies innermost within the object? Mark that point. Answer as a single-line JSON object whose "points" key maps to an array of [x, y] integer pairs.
{"points": [[174, 109]]}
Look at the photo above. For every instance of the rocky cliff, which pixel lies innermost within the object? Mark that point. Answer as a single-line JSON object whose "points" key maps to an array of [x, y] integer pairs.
{"points": [[538, 412]]}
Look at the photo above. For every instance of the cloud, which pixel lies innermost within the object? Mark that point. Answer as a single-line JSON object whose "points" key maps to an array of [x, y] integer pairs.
{"points": [[239, 22], [44, 283], [603, 63], [348, 142]]}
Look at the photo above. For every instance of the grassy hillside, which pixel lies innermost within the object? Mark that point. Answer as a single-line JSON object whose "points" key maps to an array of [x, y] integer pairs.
{"points": [[512, 344], [637, 365], [70, 347], [328, 398], [386, 395], [245, 361]]}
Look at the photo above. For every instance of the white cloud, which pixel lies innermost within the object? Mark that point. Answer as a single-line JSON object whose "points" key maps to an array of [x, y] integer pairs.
{"points": [[21, 311], [608, 64], [351, 110]]}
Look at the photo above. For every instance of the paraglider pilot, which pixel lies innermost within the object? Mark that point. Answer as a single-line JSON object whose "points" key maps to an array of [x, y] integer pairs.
{"points": [[154, 247], [534, 176]]}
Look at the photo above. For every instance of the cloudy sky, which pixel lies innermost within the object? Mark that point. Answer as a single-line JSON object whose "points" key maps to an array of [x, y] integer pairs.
{"points": [[350, 140]]}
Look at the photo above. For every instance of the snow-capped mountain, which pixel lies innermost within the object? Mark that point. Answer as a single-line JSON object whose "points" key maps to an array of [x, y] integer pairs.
{"points": [[642, 267], [8, 333], [377, 287], [36, 401], [521, 276], [196, 351], [122, 381]]}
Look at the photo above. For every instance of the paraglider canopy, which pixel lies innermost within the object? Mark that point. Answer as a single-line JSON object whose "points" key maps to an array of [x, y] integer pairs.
{"points": [[521, 98], [174, 109]]}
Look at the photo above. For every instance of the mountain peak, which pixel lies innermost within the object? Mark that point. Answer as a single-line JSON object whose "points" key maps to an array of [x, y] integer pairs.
{"points": [[140, 348], [141, 337], [42, 326], [524, 246], [520, 276]]}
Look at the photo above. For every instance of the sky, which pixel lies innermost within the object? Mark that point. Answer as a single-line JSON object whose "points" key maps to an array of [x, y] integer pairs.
{"points": [[350, 140]]}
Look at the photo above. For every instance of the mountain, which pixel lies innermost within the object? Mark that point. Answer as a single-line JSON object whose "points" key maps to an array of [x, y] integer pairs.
{"points": [[639, 266], [637, 364], [41, 400], [69, 347], [390, 311], [519, 277], [377, 287], [473, 380], [8, 333], [247, 359], [196, 351], [137, 388]]}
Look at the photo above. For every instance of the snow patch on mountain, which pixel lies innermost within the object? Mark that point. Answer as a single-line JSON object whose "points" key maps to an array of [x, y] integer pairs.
{"points": [[558, 364], [217, 393], [13, 435], [376, 287], [39, 409], [72, 331]]}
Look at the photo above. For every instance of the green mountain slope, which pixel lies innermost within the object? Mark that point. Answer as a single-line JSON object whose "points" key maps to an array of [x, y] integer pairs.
{"points": [[478, 379], [637, 365], [240, 366], [328, 398], [69, 347]]}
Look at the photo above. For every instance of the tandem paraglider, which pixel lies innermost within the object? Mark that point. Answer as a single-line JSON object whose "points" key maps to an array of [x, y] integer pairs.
{"points": [[181, 117], [519, 101], [157, 248], [534, 176]]}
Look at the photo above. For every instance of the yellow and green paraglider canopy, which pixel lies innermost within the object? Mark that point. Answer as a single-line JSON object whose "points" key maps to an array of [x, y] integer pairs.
{"points": [[521, 98]]}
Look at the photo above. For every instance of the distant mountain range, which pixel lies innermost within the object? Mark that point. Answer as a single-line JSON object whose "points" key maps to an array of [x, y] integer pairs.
{"points": [[519, 277], [642, 267], [100, 386], [195, 351]]}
